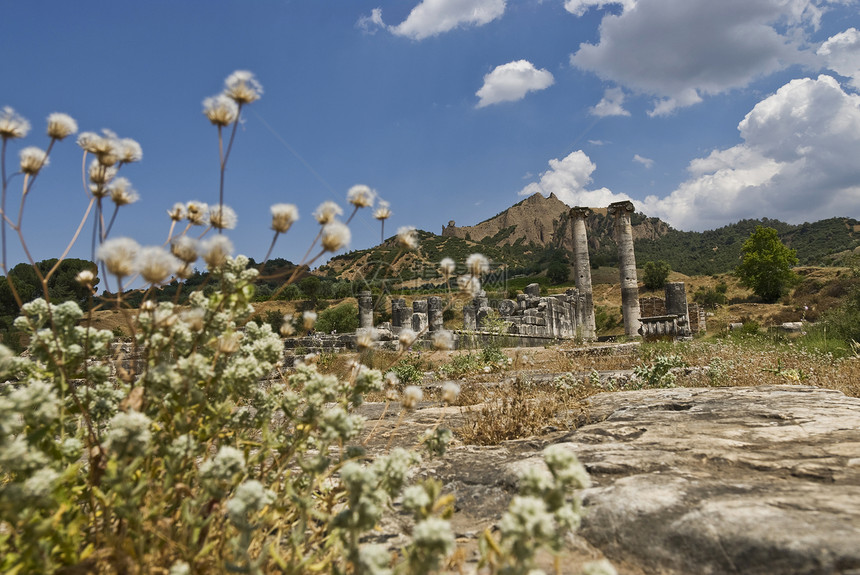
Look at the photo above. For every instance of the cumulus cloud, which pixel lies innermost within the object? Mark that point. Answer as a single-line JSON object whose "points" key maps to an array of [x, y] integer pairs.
{"points": [[612, 104], [434, 17], [797, 162], [842, 54], [647, 162], [511, 82], [681, 50], [568, 179]]}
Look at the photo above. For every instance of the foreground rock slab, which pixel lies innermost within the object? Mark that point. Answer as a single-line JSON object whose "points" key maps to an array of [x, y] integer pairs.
{"points": [[753, 480], [725, 480]]}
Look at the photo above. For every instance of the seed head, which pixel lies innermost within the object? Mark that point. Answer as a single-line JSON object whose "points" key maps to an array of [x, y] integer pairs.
{"points": [[101, 175], [383, 210], [470, 285], [365, 337], [12, 125], [229, 342], [407, 238], [33, 159], [119, 256], [121, 192], [129, 151], [283, 217], [222, 217], [242, 87], [447, 267], [327, 212], [61, 126], [221, 110], [361, 196], [156, 265], [443, 339], [335, 236], [85, 278], [407, 337], [411, 396], [177, 212], [287, 327], [478, 264], [216, 250], [185, 249], [450, 392], [197, 213], [309, 318]]}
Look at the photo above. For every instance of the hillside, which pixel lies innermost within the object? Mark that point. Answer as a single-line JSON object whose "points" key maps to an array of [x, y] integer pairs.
{"points": [[531, 234]]}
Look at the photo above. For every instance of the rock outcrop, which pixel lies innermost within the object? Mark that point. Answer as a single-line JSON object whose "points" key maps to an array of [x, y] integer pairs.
{"points": [[762, 480]]}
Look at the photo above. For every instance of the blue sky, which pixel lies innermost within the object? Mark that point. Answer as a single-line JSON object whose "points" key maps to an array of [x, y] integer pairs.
{"points": [[701, 112]]}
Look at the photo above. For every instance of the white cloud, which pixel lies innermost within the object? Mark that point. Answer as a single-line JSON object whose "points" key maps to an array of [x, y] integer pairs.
{"points": [[842, 54], [370, 24], [647, 162], [798, 162], [612, 104], [681, 50], [434, 17], [567, 179], [580, 7], [511, 82]]}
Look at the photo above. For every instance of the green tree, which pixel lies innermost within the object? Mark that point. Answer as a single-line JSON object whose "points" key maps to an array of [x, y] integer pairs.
{"points": [[656, 274], [766, 266], [558, 272], [342, 318]]}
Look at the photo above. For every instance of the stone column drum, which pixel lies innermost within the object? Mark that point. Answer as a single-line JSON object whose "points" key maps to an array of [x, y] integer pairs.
{"points": [[365, 310], [582, 266], [419, 315], [676, 304], [434, 313], [627, 266]]}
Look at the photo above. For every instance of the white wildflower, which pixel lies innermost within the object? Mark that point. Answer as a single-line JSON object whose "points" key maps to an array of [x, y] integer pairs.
{"points": [[85, 278], [407, 337], [478, 264], [447, 267], [411, 396], [61, 126], [527, 517], [327, 212], [469, 284], [565, 466], [177, 212], [129, 151], [197, 213], [194, 318], [227, 462], [119, 255], [415, 498], [287, 327], [180, 568], [250, 497], [33, 159], [283, 217], [12, 125], [364, 337], [229, 342], [309, 318], [185, 248], [434, 534], [40, 484], [121, 192], [450, 392], [100, 174], [383, 210], [129, 433], [407, 238], [335, 236], [242, 87], [222, 217], [361, 196], [443, 339], [220, 110], [601, 567], [216, 250], [156, 265]]}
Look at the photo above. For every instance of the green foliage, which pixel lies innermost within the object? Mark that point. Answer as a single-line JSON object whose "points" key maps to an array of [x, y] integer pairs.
{"points": [[711, 297], [655, 274], [342, 318], [766, 265], [558, 272], [659, 372], [410, 369]]}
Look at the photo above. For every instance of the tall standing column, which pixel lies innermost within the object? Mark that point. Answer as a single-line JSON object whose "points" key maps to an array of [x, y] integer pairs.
{"points": [[582, 266], [627, 266]]}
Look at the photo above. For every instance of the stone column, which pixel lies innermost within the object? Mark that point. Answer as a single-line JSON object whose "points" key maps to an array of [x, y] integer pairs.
{"points": [[627, 266], [434, 313], [365, 310], [397, 304], [676, 304], [419, 315], [582, 265]]}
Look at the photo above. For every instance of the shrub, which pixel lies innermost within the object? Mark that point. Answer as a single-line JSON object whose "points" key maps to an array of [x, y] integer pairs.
{"points": [[342, 318], [655, 274]]}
